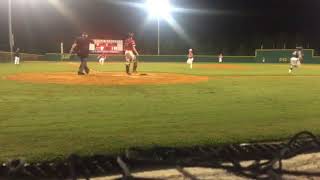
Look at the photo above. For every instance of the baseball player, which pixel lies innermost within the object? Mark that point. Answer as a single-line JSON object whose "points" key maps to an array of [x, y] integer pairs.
{"points": [[295, 60], [102, 58], [190, 58], [130, 54], [17, 56], [82, 47], [220, 58]]}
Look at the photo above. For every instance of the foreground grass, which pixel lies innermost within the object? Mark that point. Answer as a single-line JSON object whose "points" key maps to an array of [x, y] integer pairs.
{"points": [[47, 121]]}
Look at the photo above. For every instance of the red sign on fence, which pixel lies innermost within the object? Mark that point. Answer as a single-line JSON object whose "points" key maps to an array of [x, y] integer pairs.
{"points": [[104, 46]]}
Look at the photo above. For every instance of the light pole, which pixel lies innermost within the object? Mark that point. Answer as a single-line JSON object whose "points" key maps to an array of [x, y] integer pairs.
{"points": [[159, 9], [158, 36], [11, 40]]}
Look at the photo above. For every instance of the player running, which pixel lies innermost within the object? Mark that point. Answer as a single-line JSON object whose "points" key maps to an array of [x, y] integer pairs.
{"points": [[17, 56], [130, 54], [82, 47], [190, 58], [220, 58], [295, 61], [102, 58]]}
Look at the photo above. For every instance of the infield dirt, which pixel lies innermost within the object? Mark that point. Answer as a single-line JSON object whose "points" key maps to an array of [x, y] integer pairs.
{"points": [[107, 78]]}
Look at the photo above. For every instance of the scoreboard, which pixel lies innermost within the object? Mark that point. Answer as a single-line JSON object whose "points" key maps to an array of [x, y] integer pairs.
{"points": [[108, 46]]}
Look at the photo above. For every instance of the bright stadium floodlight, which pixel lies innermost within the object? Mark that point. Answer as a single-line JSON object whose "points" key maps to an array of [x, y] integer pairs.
{"points": [[160, 9]]}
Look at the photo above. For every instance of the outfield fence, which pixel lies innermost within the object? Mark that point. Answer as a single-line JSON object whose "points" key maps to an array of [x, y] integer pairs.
{"points": [[6, 56], [156, 58], [284, 55], [261, 56]]}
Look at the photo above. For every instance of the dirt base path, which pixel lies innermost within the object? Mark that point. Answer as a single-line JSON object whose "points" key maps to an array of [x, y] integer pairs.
{"points": [[108, 78]]}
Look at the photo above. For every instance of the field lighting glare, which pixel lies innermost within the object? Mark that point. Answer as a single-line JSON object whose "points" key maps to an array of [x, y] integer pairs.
{"points": [[159, 8]]}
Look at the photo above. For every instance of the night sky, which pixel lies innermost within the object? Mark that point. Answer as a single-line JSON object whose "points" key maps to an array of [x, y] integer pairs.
{"points": [[235, 27]]}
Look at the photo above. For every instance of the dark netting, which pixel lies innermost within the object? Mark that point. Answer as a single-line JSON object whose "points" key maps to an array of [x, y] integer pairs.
{"points": [[267, 161]]}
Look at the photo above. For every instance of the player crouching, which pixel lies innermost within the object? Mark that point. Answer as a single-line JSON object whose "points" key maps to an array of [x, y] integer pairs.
{"points": [[130, 54], [295, 61], [190, 58]]}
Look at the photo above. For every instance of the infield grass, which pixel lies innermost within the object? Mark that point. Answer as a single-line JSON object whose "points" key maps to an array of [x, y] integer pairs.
{"points": [[249, 103]]}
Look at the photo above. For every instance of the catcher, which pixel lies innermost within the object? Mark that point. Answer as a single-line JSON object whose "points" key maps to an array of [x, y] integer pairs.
{"points": [[130, 54]]}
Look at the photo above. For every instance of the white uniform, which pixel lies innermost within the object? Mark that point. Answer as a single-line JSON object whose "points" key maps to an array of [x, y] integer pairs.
{"points": [[220, 58], [16, 60], [190, 58], [130, 57], [101, 60], [295, 60]]}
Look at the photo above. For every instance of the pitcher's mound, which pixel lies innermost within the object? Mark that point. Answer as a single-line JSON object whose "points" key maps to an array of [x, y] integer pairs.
{"points": [[112, 78]]}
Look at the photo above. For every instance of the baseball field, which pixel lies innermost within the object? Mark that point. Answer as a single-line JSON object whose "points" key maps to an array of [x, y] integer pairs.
{"points": [[48, 112]]}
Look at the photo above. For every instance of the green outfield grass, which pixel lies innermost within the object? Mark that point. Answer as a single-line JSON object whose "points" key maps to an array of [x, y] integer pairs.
{"points": [[250, 103]]}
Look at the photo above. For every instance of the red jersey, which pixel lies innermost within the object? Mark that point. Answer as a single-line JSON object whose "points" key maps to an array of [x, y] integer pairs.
{"points": [[129, 44], [190, 55], [102, 56]]}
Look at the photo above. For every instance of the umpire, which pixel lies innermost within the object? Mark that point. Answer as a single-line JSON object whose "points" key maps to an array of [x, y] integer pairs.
{"points": [[81, 47]]}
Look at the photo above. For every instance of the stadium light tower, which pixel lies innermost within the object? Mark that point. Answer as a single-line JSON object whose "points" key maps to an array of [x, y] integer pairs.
{"points": [[159, 9], [11, 40]]}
